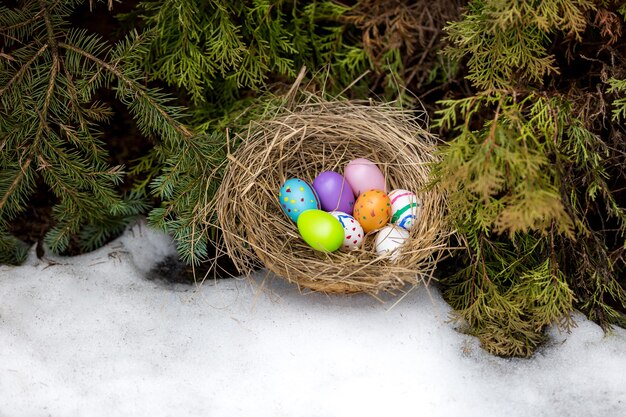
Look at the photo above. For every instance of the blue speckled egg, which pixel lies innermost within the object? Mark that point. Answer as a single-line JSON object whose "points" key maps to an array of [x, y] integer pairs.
{"points": [[297, 196]]}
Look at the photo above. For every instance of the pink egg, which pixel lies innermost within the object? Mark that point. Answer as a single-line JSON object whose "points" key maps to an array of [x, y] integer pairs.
{"points": [[363, 175]]}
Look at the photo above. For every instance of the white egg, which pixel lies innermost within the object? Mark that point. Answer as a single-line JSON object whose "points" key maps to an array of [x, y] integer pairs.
{"points": [[389, 239], [405, 206], [352, 231]]}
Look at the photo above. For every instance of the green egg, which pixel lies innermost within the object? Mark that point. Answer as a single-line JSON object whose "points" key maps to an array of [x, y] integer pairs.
{"points": [[320, 230]]}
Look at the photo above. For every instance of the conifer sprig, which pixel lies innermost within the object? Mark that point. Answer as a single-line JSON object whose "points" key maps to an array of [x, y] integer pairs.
{"points": [[218, 52], [501, 171], [50, 129], [506, 43]]}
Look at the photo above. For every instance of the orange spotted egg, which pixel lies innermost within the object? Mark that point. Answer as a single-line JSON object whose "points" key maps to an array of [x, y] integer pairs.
{"points": [[372, 210]]}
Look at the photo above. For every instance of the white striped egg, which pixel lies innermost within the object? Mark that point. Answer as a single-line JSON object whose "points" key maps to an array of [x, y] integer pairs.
{"points": [[405, 206]]}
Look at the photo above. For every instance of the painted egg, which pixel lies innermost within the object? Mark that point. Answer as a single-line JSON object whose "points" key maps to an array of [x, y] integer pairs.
{"points": [[352, 230], [363, 175], [320, 230], [389, 239], [297, 196], [372, 209], [334, 192], [404, 208]]}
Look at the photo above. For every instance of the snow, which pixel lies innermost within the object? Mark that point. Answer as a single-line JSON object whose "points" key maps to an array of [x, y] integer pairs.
{"points": [[92, 336]]}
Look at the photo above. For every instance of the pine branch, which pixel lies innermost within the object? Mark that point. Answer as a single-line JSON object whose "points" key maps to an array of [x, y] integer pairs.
{"points": [[54, 47], [26, 22], [14, 185], [23, 69], [136, 87]]}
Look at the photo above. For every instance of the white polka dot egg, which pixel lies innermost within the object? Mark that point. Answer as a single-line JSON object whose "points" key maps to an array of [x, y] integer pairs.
{"points": [[352, 230]]}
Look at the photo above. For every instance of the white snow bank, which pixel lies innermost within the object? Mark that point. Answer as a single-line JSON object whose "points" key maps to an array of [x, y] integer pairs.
{"points": [[91, 336]]}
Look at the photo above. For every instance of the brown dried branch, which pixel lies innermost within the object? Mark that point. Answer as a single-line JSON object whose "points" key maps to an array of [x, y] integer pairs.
{"points": [[413, 27]]}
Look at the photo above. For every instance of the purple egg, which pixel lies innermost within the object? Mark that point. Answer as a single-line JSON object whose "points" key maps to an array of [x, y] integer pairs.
{"points": [[334, 192]]}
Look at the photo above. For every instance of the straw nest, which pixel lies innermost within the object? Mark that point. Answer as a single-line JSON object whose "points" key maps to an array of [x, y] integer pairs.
{"points": [[303, 141]]}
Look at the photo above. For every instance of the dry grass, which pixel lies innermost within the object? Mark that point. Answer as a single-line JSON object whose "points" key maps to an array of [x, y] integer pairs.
{"points": [[302, 141]]}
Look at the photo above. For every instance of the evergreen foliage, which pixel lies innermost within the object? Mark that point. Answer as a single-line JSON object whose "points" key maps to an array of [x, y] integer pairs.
{"points": [[505, 42], [533, 176], [402, 39], [50, 123], [222, 52]]}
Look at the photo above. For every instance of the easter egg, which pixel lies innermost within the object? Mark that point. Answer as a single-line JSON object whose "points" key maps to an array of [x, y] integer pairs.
{"points": [[334, 192], [389, 239], [352, 230], [363, 175], [320, 230], [297, 196], [404, 208], [372, 209]]}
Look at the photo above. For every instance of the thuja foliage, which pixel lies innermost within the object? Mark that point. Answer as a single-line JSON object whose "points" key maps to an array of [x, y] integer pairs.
{"points": [[534, 166], [506, 42], [402, 39], [222, 53]]}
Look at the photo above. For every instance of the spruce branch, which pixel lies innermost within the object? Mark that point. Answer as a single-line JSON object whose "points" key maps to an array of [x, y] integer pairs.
{"points": [[24, 23], [14, 185], [53, 129], [20, 73], [135, 87], [54, 48]]}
